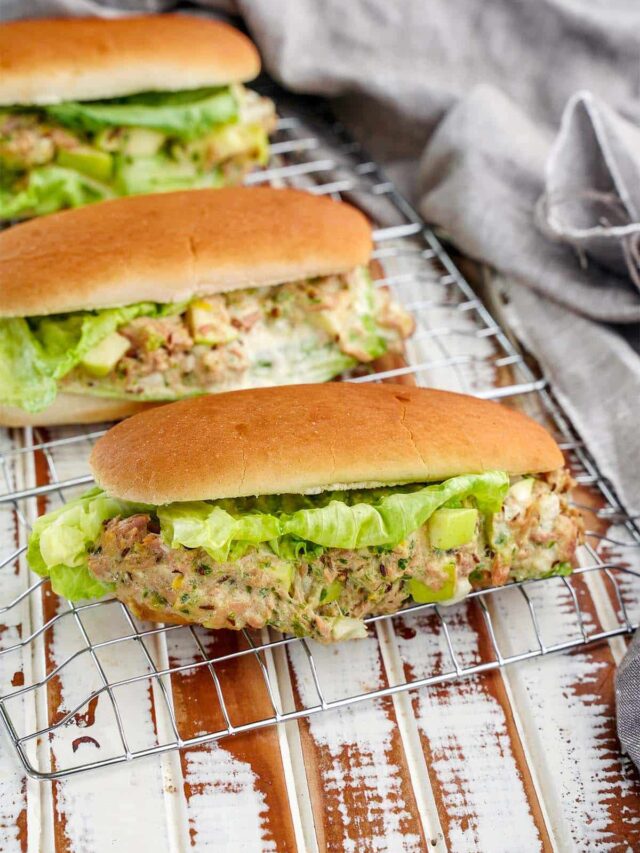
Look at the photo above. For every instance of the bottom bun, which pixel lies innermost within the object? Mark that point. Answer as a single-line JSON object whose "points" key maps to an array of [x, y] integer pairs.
{"points": [[146, 614], [72, 409]]}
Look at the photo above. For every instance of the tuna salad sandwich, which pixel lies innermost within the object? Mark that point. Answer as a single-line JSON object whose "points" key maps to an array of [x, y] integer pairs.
{"points": [[154, 298], [91, 109], [310, 508]]}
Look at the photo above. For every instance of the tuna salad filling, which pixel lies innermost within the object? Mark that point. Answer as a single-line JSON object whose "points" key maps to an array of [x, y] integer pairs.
{"points": [[71, 154], [262, 563], [303, 331], [306, 331]]}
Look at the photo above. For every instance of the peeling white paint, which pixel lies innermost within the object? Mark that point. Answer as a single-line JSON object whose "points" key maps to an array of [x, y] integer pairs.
{"points": [[472, 757], [11, 800], [120, 805], [358, 741], [227, 811], [566, 721]]}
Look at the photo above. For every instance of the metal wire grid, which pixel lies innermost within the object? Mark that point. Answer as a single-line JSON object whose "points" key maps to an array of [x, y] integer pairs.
{"points": [[316, 153]]}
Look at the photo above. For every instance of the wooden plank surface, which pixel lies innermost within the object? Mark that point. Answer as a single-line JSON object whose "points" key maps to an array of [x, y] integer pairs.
{"points": [[15, 791], [244, 775], [355, 765]]}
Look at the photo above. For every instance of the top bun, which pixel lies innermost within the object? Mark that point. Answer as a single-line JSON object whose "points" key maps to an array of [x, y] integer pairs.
{"points": [[303, 439], [85, 59], [173, 246]]}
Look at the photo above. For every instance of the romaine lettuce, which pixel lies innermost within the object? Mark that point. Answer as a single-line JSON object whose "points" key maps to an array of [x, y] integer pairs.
{"points": [[60, 541], [24, 380], [226, 529], [48, 189], [204, 525], [185, 114], [392, 513]]}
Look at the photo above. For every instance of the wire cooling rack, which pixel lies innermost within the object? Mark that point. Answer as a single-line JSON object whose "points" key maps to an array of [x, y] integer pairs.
{"points": [[59, 660]]}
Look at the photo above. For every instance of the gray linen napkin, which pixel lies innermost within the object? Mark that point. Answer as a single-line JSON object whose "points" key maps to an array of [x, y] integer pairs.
{"points": [[480, 89], [592, 195], [627, 701]]}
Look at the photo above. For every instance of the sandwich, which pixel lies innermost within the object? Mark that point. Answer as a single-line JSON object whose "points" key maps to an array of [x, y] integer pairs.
{"points": [[310, 508], [91, 109], [110, 308]]}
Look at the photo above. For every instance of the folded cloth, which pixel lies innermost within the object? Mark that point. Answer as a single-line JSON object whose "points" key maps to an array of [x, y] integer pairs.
{"points": [[628, 701], [592, 193], [480, 88]]}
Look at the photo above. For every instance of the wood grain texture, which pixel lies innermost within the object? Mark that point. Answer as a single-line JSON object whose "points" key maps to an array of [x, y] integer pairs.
{"points": [[477, 768], [235, 790], [361, 792], [566, 706]]}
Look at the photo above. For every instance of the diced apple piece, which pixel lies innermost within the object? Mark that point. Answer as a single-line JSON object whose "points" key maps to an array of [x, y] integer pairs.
{"points": [[423, 594], [522, 490], [104, 356], [284, 574], [108, 139], [332, 592], [452, 528], [141, 142], [347, 628], [210, 323], [89, 161]]}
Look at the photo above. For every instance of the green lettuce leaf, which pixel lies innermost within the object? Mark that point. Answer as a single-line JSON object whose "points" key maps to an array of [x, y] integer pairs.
{"points": [[24, 380], [377, 517], [388, 516], [37, 351], [560, 570], [204, 525], [290, 548], [185, 114], [77, 583], [48, 189], [60, 542]]}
